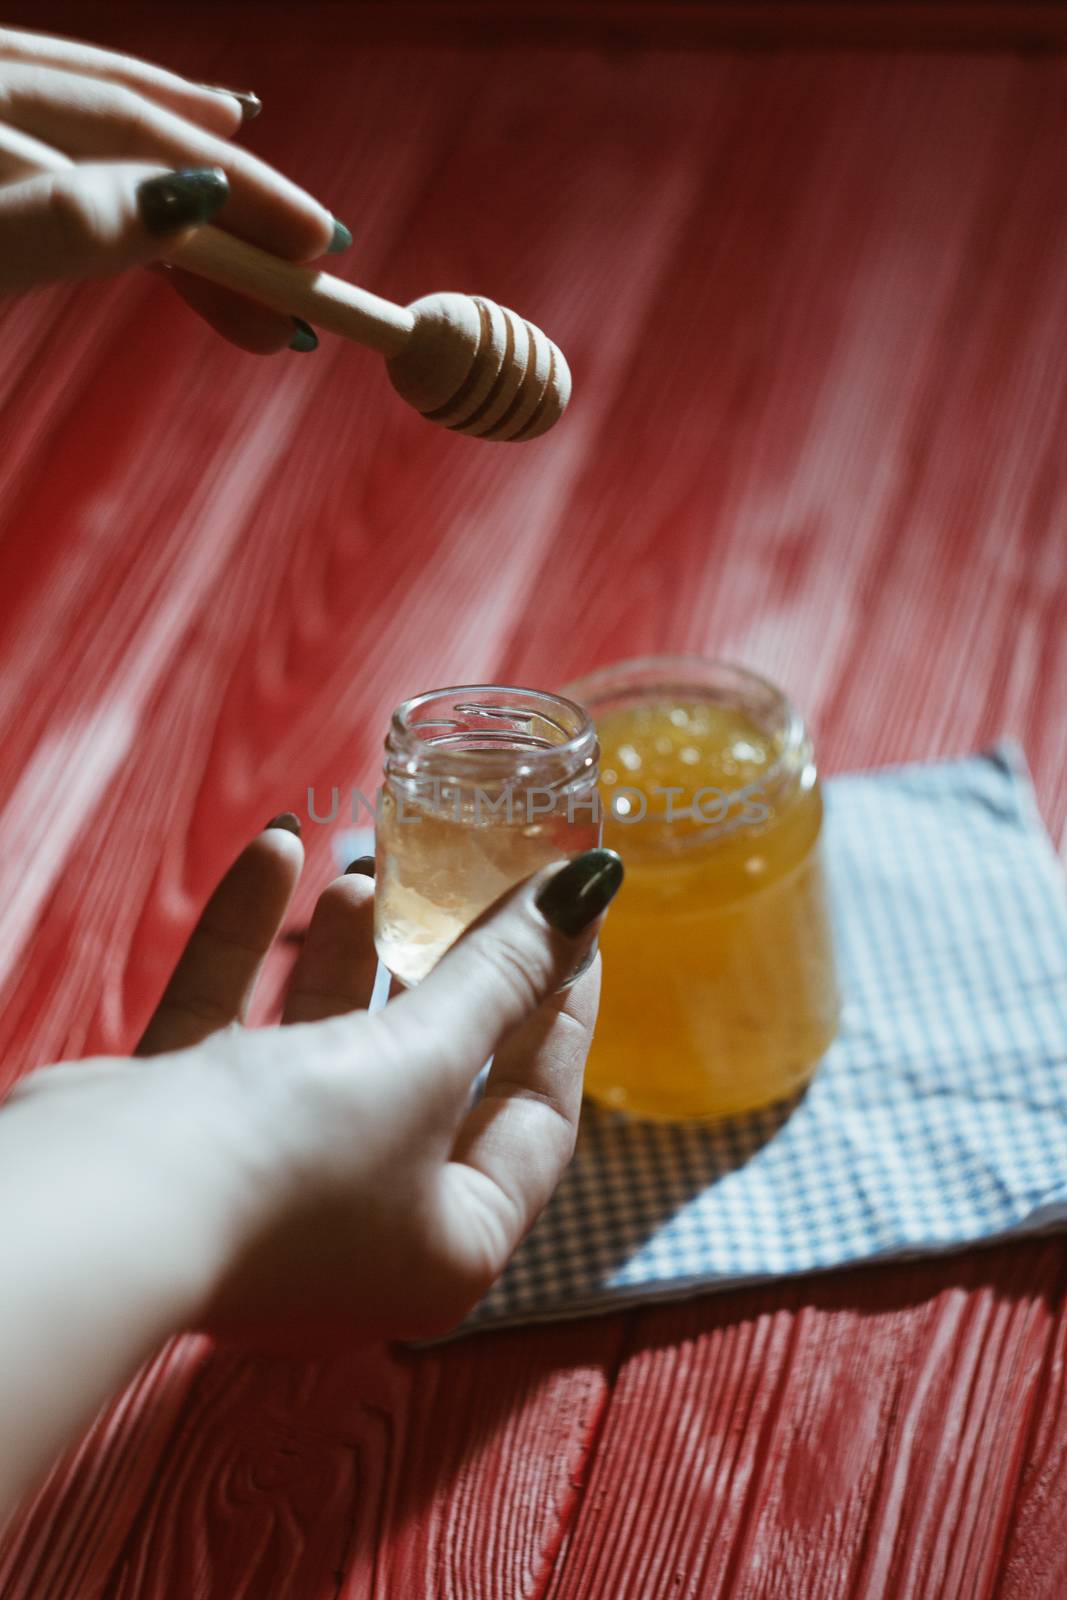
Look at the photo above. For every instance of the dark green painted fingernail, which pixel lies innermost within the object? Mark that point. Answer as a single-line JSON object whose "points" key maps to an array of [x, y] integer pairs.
{"points": [[287, 820], [178, 199], [363, 865], [251, 105], [305, 337], [341, 238], [580, 891]]}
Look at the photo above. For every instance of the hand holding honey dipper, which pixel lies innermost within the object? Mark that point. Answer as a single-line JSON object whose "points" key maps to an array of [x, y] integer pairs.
{"points": [[107, 162]]}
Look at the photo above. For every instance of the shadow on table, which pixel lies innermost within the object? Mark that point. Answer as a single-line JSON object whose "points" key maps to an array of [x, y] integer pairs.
{"points": [[629, 1179]]}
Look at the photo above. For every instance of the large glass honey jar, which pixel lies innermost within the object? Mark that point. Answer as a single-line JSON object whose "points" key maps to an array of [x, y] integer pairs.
{"points": [[719, 988]]}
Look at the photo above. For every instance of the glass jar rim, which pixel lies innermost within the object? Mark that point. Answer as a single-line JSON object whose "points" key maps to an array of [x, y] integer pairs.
{"points": [[575, 752], [691, 674]]}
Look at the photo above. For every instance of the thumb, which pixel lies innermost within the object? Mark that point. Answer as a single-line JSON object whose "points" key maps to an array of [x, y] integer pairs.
{"points": [[504, 967], [90, 220]]}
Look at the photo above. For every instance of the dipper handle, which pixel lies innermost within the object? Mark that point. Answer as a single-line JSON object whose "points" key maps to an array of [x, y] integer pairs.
{"points": [[306, 292]]}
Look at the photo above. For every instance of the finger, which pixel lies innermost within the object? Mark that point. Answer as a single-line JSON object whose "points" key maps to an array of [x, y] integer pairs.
{"points": [[495, 977], [218, 110], [336, 967], [520, 1135], [213, 982], [243, 322], [92, 120], [22, 156], [90, 220]]}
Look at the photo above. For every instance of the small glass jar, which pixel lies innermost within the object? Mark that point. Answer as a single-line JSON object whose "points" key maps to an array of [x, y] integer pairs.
{"points": [[719, 988], [483, 786]]}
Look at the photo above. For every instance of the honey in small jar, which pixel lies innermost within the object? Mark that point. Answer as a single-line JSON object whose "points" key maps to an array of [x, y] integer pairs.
{"points": [[484, 785], [719, 989]]}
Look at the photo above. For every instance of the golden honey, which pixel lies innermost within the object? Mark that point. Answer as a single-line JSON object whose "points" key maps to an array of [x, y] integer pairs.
{"points": [[719, 988]]}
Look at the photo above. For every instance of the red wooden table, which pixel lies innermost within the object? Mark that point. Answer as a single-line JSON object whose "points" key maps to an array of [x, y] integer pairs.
{"points": [[816, 305]]}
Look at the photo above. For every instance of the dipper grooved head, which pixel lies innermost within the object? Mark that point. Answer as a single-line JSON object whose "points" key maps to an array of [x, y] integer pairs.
{"points": [[480, 369]]}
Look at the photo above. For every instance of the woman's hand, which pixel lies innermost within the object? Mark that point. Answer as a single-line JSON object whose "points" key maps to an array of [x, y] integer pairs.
{"points": [[375, 1199], [136, 157], [324, 1180]]}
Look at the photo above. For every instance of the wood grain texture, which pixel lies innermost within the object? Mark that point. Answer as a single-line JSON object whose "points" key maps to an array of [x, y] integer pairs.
{"points": [[866, 1444], [1031, 25], [815, 305]]}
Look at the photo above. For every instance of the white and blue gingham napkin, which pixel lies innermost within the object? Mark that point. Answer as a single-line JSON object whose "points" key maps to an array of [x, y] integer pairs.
{"points": [[938, 1118]]}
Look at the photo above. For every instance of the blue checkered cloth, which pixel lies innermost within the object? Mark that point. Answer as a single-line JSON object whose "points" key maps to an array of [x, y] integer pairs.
{"points": [[937, 1120]]}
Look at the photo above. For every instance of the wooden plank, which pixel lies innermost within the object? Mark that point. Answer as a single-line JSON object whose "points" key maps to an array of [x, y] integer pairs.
{"points": [[860, 1439], [1035, 1562], [1031, 25], [327, 1477]]}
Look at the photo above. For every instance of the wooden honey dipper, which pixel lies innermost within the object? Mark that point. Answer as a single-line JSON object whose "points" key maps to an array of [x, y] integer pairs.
{"points": [[459, 359]]}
